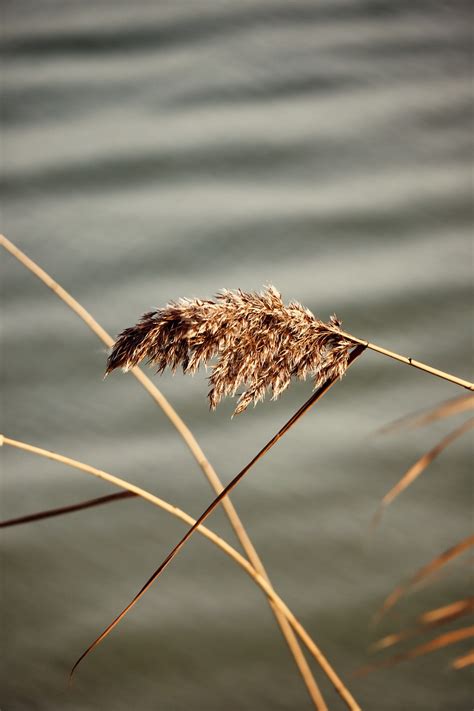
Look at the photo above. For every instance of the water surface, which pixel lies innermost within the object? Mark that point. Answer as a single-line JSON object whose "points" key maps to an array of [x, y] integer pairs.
{"points": [[157, 150]]}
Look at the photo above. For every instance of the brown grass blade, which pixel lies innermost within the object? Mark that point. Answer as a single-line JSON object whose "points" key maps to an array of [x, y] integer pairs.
{"points": [[50, 513], [448, 408], [465, 660], [433, 645], [420, 465], [423, 573], [193, 446], [304, 408], [190, 442], [260, 580], [446, 613], [432, 618], [131, 490]]}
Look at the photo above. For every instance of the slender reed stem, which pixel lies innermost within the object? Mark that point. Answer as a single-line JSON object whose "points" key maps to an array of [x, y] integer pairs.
{"points": [[419, 467], [427, 570], [60, 511], [303, 409], [411, 361], [218, 541], [192, 445]]}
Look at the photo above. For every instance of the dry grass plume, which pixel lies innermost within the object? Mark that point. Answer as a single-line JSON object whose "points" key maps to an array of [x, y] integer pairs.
{"points": [[257, 341]]}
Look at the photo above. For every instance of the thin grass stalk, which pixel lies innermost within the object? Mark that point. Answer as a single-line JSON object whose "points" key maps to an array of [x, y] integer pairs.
{"points": [[303, 409], [111, 498], [434, 565], [419, 467], [447, 408], [255, 340], [214, 538], [192, 445], [443, 640], [465, 660], [411, 361], [62, 510], [426, 621]]}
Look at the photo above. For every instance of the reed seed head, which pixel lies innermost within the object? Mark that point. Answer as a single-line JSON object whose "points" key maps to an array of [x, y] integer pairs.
{"points": [[255, 340]]}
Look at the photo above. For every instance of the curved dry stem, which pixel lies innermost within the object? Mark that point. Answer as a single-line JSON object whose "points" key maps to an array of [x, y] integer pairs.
{"points": [[304, 408], [426, 621], [447, 408], [214, 538], [438, 562], [443, 640], [187, 435], [419, 466], [465, 660], [192, 445]]}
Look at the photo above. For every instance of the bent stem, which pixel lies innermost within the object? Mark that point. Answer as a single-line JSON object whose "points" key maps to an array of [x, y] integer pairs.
{"points": [[444, 640], [192, 445], [418, 468], [447, 408], [434, 565], [218, 541], [427, 621], [303, 409]]}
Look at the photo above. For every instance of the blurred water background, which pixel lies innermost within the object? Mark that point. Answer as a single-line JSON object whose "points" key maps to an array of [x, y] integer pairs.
{"points": [[154, 150]]}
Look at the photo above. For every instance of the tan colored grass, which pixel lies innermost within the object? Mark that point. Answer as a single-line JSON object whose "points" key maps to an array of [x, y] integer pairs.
{"points": [[427, 620], [408, 360], [259, 343], [443, 640], [427, 570], [465, 660], [447, 408], [447, 613], [193, 446], [420, 465], [218, 541], [343, 691]]}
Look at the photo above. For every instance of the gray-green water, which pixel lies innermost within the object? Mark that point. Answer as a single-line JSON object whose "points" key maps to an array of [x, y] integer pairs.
{"points": [[155, 150]]}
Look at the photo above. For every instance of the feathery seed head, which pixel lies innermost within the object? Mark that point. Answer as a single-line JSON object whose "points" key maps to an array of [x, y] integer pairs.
{"points": [[257, 342]]}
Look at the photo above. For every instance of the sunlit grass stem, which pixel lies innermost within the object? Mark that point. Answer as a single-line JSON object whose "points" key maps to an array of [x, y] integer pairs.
{"points": [[192, 445], [214, 538]]}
